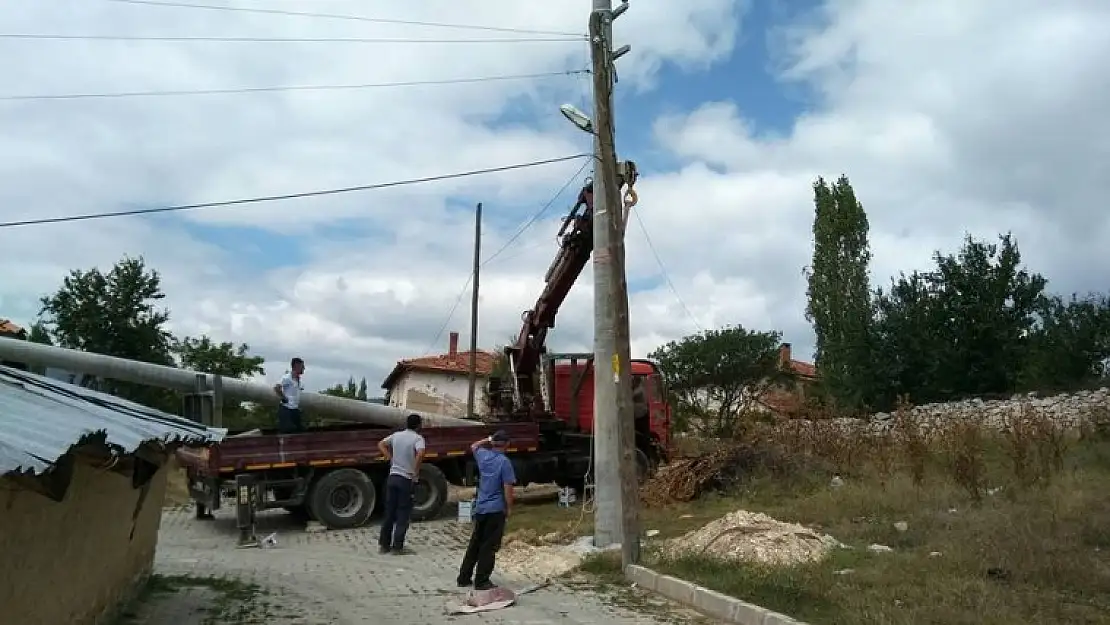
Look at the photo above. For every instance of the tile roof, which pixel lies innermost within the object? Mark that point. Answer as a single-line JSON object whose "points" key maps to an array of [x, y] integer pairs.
{"points": [[41, 420], [804, 369], [458, 362], [8, 327]]}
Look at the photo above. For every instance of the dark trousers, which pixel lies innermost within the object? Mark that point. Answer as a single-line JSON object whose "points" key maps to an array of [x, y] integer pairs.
{"points": [[398, 509], [289, 420], [485, 540]]}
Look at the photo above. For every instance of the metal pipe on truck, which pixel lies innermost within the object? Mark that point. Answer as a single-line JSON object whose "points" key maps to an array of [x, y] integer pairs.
{"points": [[185, 380]]}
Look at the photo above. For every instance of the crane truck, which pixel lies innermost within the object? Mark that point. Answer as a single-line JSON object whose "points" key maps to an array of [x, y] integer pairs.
{"points": [[333, 474], [545, 402]]}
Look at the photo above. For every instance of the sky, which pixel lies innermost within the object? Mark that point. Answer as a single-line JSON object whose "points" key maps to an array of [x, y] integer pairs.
{"points": [[948, 117]]}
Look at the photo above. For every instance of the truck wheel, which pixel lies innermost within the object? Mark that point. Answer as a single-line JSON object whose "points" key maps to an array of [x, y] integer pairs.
{"points": [[342, 499], [430, 494]]}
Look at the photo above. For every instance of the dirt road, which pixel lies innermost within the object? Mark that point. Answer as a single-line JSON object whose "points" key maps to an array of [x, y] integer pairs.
{"points": [[338, 578]]}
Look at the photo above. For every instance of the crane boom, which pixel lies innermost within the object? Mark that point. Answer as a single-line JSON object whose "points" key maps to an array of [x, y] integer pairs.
{"points": [[576, 244]]}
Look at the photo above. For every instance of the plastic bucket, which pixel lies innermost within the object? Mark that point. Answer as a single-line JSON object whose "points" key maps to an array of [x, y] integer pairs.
{"points": [[466, 511]]}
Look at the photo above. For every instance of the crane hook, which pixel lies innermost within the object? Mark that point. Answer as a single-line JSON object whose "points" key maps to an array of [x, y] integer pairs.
{"points": [[630, 174]]}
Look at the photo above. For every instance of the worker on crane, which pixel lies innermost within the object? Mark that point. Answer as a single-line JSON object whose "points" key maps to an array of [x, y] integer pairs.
{"points": [[288, 391]]}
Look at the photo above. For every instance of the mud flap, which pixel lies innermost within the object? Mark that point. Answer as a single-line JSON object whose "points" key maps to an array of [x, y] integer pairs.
{"points": [[246, 504]]}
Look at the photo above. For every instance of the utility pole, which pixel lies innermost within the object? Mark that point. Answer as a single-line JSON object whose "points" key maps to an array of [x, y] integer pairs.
{"points": [[615, 485], [473, 367]]}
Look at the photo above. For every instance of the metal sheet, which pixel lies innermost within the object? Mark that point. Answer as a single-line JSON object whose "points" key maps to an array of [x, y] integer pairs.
{"points": [[42, 419]]}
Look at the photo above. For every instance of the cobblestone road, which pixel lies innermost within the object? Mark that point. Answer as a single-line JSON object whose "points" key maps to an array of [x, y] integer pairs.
{"points": [[337, 577]]}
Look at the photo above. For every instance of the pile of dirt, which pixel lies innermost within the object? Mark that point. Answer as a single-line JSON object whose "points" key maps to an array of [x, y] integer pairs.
{"points": [[752, 537], [688, 478], [537, 563]]}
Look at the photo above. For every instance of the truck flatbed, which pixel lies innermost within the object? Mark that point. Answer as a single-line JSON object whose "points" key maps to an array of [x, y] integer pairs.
{"points": [[352, 445], [334, 474]]}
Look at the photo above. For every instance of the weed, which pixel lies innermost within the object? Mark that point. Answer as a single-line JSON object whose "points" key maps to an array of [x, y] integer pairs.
{"points": [[234, 602], [963, 552], [966, 444], [912, 441], [1019, 434]]}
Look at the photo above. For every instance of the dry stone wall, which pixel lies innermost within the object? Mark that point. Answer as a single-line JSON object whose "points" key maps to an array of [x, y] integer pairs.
{"points": [[1069, 410]]}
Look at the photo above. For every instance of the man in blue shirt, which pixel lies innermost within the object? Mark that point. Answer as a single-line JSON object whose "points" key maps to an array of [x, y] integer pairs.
{"points": [[493, 506]]}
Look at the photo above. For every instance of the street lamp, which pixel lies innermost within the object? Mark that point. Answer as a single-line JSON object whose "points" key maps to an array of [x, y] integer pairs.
{"points": [[577, 117]]}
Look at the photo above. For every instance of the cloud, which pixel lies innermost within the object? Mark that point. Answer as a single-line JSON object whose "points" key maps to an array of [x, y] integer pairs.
{"points": [[979, 117]]}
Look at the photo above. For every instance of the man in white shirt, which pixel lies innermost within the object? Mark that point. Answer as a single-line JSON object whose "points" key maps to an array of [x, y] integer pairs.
{"points": [[288, 391]]}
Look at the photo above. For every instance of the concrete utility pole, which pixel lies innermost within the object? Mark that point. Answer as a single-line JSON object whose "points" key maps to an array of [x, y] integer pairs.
{"points": [[473, 369], [615, 487]]}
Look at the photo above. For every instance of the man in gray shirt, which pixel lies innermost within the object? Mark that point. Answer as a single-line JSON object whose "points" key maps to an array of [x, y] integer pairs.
{"points": [[405, 452]]}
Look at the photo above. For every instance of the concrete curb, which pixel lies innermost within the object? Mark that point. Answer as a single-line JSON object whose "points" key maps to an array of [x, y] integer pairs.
{"points": [[706, 601]]}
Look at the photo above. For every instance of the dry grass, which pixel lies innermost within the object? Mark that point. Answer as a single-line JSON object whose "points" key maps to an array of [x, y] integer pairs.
{"points": [[1000, 528]]}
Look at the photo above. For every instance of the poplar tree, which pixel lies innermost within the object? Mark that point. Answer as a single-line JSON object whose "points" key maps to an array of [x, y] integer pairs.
{"points": [[839, 296]]}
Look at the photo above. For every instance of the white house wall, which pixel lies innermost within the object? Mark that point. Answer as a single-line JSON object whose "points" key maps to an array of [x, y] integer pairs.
{"points": [[438, 393]]}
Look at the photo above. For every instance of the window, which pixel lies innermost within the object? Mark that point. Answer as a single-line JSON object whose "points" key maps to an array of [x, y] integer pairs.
{"points": [[655, 388]]}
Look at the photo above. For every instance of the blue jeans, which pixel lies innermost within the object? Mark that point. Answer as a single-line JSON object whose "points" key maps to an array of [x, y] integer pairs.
{"points": [[289, 420], [399, 494]]}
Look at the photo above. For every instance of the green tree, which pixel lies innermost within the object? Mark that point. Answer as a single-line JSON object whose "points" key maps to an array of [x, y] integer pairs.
{"points": [[114, 313], [1070, 346], [350, 390], [39, 334], [716, 376], [228, 360], [962, 329], [839, 295]]}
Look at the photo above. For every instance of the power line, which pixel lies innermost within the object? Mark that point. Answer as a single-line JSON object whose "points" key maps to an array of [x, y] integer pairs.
{"points": [[663, 270], [337, 16], [538, 214], [216, 39], [450, 315], [288, 196], [527, 224], [188, 92]]}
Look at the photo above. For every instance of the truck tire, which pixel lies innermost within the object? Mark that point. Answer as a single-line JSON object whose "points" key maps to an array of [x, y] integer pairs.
{"points": [[430, 494], [342, 499]]}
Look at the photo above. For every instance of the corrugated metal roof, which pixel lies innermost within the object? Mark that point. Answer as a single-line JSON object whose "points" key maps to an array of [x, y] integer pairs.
{"points": [[41, 420]]}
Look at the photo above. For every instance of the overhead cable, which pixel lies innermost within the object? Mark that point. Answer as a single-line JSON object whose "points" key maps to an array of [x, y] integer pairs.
{"points": [[278, 88], [337, 16], [282, 197], [219, 39]]}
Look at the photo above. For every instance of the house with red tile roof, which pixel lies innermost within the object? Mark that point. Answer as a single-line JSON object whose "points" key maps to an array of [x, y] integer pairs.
{"points": [[786, 400], [8, 329], [439, 384]]}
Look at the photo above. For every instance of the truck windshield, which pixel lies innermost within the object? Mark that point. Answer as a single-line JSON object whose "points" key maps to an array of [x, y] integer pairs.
{"points": [[655, 388]]}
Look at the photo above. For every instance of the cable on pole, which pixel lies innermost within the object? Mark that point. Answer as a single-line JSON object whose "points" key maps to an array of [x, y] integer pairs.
{"points": [[287, 196], [527, 224], [217, 39], [280, 88], [337, 16]]}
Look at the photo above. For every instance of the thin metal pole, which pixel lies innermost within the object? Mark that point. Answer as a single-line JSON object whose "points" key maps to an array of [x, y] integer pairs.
{"points": [[473, 368]]}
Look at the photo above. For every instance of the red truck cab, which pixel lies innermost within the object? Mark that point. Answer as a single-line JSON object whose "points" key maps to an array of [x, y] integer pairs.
{"points": [[573, 403]]}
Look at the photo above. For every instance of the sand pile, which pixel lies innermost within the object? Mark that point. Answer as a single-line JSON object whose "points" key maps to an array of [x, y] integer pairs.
{"points": [[752, 537], [537, 563]]}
